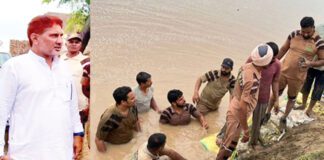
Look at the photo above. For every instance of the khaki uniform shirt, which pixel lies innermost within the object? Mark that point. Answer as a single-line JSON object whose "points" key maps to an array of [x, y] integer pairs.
{"points": [[114, 127], [215, 89], [246, 88], [300, 49]]}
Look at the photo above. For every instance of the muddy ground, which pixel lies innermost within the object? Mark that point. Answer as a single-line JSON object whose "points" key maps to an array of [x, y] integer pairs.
{"points": [[305, 142]]}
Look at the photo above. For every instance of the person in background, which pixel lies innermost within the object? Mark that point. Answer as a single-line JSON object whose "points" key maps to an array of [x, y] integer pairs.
{"points": [[73, 58]]}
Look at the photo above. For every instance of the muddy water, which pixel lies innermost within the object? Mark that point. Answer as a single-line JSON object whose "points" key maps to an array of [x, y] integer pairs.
{"points": [[177, 41]]}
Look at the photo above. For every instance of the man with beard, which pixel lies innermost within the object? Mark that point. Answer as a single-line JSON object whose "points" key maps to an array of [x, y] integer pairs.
{"points": [[180, 112], [300, 49], [38, 93], [218, 83]]}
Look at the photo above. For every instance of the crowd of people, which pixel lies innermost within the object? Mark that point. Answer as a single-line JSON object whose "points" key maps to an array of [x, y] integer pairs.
{"points": [[255, 91]]}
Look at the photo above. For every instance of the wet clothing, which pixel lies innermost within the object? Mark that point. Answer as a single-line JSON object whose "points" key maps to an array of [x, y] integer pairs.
{"points": [[143, 102], [214, 90], [116, 128], [318, 77], [246, 89], [292, 74], [144, 154], [174, 118], [43, 107]]}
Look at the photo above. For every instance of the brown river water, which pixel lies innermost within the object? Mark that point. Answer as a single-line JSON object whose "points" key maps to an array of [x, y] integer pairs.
{"points": [[177, 41]]}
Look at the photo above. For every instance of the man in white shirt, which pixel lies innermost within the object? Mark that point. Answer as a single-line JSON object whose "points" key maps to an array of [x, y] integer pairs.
{"points": [[38, 93], [73, 58]]}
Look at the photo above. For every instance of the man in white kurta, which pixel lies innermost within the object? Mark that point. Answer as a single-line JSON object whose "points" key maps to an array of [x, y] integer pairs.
{"points": [[38, 93]]}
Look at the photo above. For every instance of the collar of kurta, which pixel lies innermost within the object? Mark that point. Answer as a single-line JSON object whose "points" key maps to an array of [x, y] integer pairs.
{"points": [[41, 59]]}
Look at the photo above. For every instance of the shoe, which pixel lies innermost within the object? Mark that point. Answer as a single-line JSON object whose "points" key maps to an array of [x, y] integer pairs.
{"points": [[266, 118]]}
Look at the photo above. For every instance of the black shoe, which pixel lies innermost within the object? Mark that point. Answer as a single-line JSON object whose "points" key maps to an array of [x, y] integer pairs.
{"points": [[266, 118]]}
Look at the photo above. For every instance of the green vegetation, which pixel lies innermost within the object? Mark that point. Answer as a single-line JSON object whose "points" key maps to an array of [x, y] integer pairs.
{"points": [[78, 20]]}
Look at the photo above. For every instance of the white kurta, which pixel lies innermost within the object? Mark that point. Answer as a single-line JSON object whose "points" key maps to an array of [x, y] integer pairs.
{"points": [[76, 69], [43, 109]]}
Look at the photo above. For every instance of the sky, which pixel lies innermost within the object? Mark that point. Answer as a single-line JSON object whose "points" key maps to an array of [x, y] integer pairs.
{"points": [[16, 14]]}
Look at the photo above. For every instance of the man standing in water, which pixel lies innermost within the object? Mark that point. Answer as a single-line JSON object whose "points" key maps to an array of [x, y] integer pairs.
{"points": [[244, 100], [119, 120], [38, 93], [218, 83], [300, 49], [144, 93]]}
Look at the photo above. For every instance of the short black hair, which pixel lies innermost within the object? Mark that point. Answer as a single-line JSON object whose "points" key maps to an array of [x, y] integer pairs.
{"points": [[274, 47], [120, 94], [174, 95], [307, 22], [142, 77], [156, 141]]}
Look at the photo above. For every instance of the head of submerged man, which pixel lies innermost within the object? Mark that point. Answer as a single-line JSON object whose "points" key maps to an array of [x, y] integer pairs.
{"points": [[175, 97], [307, 25], [156, 143], [144, 79], [124, 96], [227, 67]]}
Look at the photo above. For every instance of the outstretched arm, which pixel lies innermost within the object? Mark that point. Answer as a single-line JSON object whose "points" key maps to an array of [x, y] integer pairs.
{"points": [[283, 50], [195, 97]]}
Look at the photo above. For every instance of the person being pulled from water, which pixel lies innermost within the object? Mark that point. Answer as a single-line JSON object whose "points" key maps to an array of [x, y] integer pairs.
{"points": [[179, 113], [218, 83], [155, 149], [118, 121], [244, 100]]}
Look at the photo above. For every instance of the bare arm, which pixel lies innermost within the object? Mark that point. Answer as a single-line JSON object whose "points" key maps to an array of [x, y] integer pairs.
{"points": [[172, 154], [77, 147], [154, 105], [319, 62], [195, 97], [100, 144], [138, 126], [203, 122], [283, 50]]}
